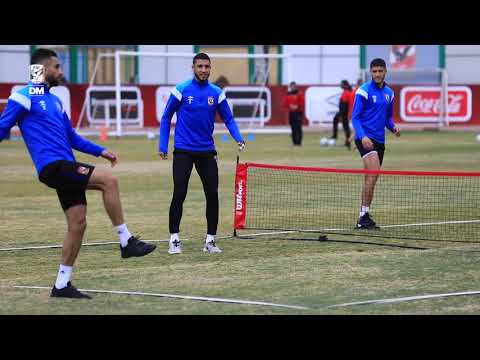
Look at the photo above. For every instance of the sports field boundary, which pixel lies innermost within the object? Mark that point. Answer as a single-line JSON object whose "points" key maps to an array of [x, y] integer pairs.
{"points": [[58, 246], [261, 303], [408, 298], [184, 297]]}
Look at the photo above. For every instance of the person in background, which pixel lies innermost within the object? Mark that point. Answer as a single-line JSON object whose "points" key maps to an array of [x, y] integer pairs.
{"points": [[345, 108], [222, 82], [294, 103]]}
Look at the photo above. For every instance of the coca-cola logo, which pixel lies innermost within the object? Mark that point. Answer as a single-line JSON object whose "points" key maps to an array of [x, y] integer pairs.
{"points": [[425, 104]]}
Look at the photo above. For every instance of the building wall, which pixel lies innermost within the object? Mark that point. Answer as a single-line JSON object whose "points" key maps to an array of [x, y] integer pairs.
{"points": [[235, 70], [14, 63], [322, 64], [331, 64], [315, 64], [163, 70], [463, 64]]}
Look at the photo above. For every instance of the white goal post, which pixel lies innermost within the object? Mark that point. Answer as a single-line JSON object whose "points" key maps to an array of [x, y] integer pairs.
{"points": [[119, 54]]}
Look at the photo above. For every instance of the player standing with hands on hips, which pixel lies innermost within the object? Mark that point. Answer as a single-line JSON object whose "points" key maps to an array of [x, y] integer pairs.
{"points": [[372, 113], [50, 139], [195, 101]]}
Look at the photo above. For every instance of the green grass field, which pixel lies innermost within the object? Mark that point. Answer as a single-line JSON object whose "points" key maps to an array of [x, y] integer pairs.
{"points": [[304, 273]]}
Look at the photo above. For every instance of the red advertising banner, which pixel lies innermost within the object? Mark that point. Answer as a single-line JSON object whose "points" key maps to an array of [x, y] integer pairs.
{"points": [[240, 204], [413, 104], [423, 103]]}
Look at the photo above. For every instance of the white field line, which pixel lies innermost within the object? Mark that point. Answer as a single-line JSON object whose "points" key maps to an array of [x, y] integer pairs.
{"points": [[409, 298], [435, 223], [60, 245], [271, 233], [405, 225], [187, 297], [383, 226]]}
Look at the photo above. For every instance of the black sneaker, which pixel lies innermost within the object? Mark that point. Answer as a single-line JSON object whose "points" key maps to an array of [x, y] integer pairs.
{"points": [[136, 248], [69, 291], [366, 223], [348, 145]]}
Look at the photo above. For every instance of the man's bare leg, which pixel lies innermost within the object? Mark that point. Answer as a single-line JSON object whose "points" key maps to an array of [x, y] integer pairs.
{"points": [[370, 162], [107, 183], [77, 223]]}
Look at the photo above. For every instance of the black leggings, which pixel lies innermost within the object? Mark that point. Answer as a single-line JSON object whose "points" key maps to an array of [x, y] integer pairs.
{"points": [[295, 120], [346, 126], [206, 166]]}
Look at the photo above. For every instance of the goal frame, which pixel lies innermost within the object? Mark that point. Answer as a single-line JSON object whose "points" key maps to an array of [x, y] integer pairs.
{"points": [[121, 53]]}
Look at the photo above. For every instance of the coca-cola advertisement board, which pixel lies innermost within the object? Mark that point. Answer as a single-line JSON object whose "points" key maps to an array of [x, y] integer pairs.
{"points": [[423, 103]]}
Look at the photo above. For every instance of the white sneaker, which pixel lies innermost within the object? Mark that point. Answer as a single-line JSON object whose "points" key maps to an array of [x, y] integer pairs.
{"points": [[212, 247], [175, 247]]}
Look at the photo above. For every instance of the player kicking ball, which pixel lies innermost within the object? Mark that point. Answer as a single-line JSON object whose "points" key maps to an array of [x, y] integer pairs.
{"points": [[50, 140]]}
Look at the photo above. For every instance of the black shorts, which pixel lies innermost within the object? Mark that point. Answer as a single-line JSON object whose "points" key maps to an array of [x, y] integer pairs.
{"points": [[196, 154], [70, 179], [379, 148]]}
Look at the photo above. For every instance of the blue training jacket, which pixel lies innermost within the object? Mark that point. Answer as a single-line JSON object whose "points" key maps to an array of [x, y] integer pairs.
{"points": [[195, 104], [45, 126], [373, 111]]}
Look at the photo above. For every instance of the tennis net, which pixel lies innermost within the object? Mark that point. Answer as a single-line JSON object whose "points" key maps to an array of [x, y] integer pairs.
{"points": [[406, 204]]}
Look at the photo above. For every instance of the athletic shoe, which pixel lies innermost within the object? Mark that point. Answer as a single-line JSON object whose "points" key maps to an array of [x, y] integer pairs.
{"points": [[136, 248], [175, 247], [366, 223], [211, 247], [69, 291]]}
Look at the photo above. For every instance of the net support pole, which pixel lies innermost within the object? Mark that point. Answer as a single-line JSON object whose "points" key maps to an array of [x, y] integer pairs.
{"points": [[238, 161], [118, 109]]}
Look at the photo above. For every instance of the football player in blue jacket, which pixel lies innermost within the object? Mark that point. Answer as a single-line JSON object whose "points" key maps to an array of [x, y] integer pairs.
{"points": [[196, 102], [50, 140], [372, 113]]}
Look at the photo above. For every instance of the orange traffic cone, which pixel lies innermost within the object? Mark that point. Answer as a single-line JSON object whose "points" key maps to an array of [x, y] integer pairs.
{"points": [[103, 133]]}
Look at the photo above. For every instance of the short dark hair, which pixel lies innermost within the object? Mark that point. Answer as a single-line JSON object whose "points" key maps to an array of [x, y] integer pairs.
{"points": [[201, 56], [378, 62], [345, 84], [40, 55]]}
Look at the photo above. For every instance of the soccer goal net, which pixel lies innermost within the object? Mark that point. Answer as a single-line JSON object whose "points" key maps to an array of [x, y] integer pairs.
{"points": [[424, 96], [120, 106]]}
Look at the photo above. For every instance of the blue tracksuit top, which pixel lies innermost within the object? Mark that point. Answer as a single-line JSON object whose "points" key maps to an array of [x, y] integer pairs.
{"points": [[373, 111], [195, 104], [45, 126]]}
